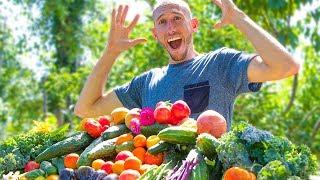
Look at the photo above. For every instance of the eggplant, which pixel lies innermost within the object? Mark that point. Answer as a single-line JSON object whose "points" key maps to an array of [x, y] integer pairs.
{"points": [[67, 174], [85, 172]]}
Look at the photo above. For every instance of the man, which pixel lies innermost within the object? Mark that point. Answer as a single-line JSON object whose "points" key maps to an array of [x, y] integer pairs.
{"points": [[205, 81]]}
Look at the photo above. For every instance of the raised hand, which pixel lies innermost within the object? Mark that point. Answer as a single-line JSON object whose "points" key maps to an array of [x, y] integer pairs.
{"points": [[228, 12], [119, 34]]}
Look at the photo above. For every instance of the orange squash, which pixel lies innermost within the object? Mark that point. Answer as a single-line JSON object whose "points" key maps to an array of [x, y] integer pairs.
{"points": [[237, 173]]}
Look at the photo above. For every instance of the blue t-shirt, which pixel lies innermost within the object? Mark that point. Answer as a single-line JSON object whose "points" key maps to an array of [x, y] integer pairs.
{"points": [[208, 81]]}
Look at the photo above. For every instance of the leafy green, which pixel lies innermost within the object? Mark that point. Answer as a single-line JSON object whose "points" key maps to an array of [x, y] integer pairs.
{"points": [[232, 152], [251, 148], [274, 170], [16, 151]]}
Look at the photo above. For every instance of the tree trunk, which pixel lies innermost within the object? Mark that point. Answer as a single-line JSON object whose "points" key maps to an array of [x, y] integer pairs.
{"points": [[59, 116]]}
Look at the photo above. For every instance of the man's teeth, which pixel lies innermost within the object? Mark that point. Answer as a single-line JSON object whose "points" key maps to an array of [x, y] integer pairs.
{"points": [[173, 39]]}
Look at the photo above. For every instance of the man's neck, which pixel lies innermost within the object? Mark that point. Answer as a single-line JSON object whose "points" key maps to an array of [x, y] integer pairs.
{"points": [[190, 55]]}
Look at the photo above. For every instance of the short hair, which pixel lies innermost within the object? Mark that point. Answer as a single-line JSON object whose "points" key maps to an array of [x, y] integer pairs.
{"points": [[185, 6]]}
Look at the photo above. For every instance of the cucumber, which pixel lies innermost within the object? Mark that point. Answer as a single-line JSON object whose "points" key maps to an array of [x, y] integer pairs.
{"points": [[153, 129], [58, 163], [178, 135], [201, 171], [104, 149], [160, 147], [207, 144], [115, 131], [48, 168], [32, 175], [84, 159], [72, 144], [126, 146]]}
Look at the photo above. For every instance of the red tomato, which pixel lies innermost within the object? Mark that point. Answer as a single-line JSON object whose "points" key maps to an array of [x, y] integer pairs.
{"points": [[31, 165], [162, 114], [180, 109], [104, 120], [93, 128], [107, 167], [174, 120]]}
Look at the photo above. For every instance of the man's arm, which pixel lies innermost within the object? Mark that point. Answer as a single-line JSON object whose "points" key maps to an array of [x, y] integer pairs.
{"points": [[274, 61], [92, 101]]}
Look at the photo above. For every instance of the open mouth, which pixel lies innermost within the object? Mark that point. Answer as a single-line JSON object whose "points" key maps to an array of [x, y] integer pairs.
{"points": [[175, 43]]}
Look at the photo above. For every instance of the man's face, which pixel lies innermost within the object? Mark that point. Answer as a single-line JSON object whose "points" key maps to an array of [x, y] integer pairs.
{"points": [[173, 28]]}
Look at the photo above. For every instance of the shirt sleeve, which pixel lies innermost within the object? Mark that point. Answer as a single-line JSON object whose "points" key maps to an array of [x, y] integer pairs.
{"points": [[233, 68], [130, 93]]}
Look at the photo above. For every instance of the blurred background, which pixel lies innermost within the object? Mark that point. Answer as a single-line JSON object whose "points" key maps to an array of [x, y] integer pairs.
{"points": [[48, 48]]}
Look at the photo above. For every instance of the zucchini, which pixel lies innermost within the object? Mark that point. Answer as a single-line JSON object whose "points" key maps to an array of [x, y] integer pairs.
{"points": [[104, 149], [152, 129], [178, 135], [160, 147], [72, 144], [115, 131], [48, 168], [126, 146], [34, 174], [84, 159]]}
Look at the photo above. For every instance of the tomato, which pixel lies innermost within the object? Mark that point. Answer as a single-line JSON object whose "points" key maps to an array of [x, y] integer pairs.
{"points": [[162, 113], [31, 165], [104, 120], [93, 128], [174, 120], [180, 109]]}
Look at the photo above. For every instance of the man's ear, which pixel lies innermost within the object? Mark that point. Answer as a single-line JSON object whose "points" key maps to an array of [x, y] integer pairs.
{"points": [[154, 33], [194, 24]]}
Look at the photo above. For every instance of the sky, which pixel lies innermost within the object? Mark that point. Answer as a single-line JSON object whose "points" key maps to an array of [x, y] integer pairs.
{"points": [[19, 26]]}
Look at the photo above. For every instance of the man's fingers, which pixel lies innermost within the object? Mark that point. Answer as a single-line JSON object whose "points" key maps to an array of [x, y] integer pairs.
{"points": [[137, 41], [218, 3], [218, 25], [124, 15], [133, 23], [113, 18], [119, 13]]}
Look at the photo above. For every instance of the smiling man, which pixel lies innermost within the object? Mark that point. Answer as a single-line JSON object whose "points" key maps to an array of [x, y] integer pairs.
{"points": [[210, 80]]}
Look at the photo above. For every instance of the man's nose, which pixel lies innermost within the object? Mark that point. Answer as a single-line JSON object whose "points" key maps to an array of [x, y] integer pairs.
{"points": [[171, 28]]}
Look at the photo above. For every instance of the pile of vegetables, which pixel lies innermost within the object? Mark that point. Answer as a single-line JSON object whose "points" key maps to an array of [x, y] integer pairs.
{"points": [[164, 143], [16, 151]]}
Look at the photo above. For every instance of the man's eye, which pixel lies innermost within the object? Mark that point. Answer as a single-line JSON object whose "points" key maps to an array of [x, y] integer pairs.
{"points": [[162, 21], [177, 18]]}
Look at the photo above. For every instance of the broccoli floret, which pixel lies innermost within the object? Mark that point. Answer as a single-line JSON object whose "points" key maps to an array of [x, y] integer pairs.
{"points": [[252, 135], [301, 162], [232, 152], [274, 170]]}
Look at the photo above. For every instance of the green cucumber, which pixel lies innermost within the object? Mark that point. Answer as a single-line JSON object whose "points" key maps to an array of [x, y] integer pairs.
{"points": [[201, 171], [207, 144], [160, 147], [71, 144], [178, 135], [32, 175], [48, 168], [152, 129], [126, 146], [104, 149], [115, 131], [84, 159]]}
